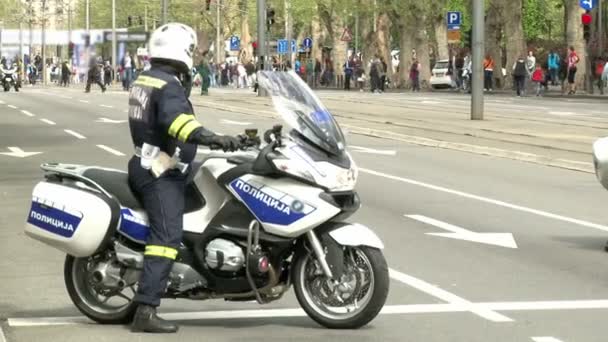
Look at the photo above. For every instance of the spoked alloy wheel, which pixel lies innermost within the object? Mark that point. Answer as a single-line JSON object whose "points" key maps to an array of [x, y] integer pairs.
{"points": [[94, 298], [349, 303]]}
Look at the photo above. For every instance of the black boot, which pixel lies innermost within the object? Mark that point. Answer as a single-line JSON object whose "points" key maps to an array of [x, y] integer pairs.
{"points": [[146, 320]]}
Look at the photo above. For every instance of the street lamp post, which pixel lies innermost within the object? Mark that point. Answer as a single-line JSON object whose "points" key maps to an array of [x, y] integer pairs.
{"points": [[262, 40], [478, 49], [113, 39], [164, 14], [44, 77], [218, 57]]}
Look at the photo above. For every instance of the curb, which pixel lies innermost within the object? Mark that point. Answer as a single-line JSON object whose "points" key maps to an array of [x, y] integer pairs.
{"points": [[586, 167]]}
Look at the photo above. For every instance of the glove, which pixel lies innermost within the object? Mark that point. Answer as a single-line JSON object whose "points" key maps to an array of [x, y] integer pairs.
{"points": [[225, 142]]}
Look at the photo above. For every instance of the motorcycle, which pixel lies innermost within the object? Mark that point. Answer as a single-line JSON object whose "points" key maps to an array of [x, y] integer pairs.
{"points": [[257, 221], [600, 163], [9, 79]]}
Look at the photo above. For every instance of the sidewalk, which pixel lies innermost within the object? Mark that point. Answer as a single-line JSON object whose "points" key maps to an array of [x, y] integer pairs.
{"points": [[516, 134]]}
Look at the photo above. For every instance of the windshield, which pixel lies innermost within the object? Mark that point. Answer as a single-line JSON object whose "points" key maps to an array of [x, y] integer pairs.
{"points": [[295, 102]]}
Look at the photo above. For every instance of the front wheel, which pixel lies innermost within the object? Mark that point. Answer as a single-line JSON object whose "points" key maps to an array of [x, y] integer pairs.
{"points": [[97, 289], [353, 301]]}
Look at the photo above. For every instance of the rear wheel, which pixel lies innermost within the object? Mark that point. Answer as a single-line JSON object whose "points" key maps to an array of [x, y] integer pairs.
{"points": [[353, 301], [97, 289]]}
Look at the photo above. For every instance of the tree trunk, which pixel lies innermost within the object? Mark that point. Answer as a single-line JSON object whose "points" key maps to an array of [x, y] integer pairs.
{"points": [[406, 44], [441, 37], [514, 32], [383, 36], [423, 57], [494, 39], [574, 38], [246, 53], [318, 38]]}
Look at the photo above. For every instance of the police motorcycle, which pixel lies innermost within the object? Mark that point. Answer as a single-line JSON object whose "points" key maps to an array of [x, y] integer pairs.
{"points": [[257, 222], [600, 163], [9, 77]]}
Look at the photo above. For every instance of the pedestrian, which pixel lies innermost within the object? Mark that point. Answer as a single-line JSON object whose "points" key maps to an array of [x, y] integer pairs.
{"points": [[415, 75], [538, 77], [348, 72], [531, 62], [520, 73], [242, 72], [572, 63], [65, 74], [94, 76], [203, 71], [599, 71], [127, 67], [107, 72], [374, 75], [604, 77], [383, 70], [488, 72], [553, 62]]}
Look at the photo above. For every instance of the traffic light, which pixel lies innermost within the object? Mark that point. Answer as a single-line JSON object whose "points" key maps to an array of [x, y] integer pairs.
{"points": [[70, 50], [141, 20], [269, 18], [208, 5], [129, 21], [586, 20]]}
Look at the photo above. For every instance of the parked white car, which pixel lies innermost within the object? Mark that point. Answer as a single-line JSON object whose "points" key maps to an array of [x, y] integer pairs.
{"points": [[440, 77]]}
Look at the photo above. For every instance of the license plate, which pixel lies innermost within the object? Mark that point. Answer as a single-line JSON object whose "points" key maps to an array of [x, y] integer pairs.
{"points": [[439, 75]]}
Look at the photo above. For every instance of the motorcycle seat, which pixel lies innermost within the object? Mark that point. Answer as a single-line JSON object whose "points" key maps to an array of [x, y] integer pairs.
{"points": [[115, 182]]}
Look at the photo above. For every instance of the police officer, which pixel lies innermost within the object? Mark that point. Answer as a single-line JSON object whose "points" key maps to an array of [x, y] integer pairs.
{"points": [[165, 133]]}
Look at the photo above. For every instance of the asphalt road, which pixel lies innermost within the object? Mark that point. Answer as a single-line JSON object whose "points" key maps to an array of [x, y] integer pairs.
{"points": [[546, 283]]}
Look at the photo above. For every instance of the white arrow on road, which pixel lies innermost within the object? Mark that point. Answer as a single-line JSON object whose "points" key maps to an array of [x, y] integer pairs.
{"points": [[19, 153], [373, 151], [106, 120], [238, 123], [497, 239]]}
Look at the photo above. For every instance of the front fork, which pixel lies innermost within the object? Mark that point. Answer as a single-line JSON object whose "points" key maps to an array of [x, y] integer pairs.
{"points": [[332, 262]]}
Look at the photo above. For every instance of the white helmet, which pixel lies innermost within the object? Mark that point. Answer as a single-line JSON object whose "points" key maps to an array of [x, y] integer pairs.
{"points": [[175, 42]]}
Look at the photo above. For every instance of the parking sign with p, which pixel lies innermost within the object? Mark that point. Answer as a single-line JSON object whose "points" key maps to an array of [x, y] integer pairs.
{"points": [[454, 20]]}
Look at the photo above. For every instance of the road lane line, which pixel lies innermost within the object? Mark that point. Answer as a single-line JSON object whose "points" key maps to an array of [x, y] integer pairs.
{"points": [[545, 339], [66, 97], [106, 106], [11, 106], [77, 135], [444, 295], [2, 102], [27, 113], [489, 200], [84, 101], [111, 150], [48, 121]]}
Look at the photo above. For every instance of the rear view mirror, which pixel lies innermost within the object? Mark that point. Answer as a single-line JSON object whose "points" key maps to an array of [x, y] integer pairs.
{"points": [[600, 160]]}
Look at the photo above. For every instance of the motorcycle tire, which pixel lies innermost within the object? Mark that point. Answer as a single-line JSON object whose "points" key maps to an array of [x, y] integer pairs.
{"points": [[123, 316], [7, 88], [374, 305]]}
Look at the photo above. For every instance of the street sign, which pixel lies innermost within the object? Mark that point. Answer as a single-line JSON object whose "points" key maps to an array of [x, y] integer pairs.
{"points": [[294, 46], [347, 36], [235, 43], [587, 4], [127, 36], [307, 42], [453, 36], [282, 46], [454, 20]]}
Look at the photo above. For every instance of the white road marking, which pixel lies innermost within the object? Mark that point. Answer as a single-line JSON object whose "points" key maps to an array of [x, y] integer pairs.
{"points": [[2, 102], [489, 200], [66, 97], [430, 102], [386, 310], [497, 239], [27, 113], [111, 150], [126, 110], [447, 296], [84, 101], [362, 149], [238, 123], [19, 153], [2, 337], [563, 113], [106, 120], [77, 135], [11, 106], [48, 121], [106, 106], [545, 339]]}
